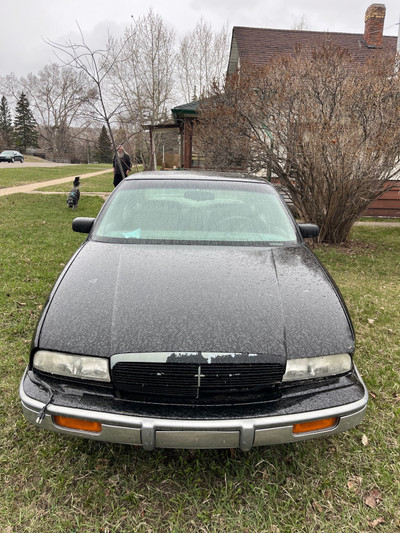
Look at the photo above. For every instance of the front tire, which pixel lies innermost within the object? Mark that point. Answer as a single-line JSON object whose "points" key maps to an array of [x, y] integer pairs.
{"points": [[12, 160]]}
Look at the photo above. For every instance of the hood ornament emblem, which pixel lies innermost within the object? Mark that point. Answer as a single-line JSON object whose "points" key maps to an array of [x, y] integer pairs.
{"points": [[199, 375]]}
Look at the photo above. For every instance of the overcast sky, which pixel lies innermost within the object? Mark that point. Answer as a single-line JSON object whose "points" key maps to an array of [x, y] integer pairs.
{"points": [[27, 22]]}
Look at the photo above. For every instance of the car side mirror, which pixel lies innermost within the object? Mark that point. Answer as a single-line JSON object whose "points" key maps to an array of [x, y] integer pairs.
{"points": [[82, 224], [308, 231]]}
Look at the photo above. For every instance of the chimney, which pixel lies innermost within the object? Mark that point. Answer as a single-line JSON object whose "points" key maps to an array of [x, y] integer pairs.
{"points": [[374, 20]]}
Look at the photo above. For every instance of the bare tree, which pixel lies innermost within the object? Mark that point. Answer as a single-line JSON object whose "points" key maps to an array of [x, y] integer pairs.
{"points": [[301, 24], [96, 66], [58, 98], [10, 86], [144, 78], [223, 134], [133, 81], [6, 127], [202, 59], [328, 129]]}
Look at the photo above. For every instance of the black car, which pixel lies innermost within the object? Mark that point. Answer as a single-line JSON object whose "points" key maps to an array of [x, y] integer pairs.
{"points": [[11, 155], [194, 316]]}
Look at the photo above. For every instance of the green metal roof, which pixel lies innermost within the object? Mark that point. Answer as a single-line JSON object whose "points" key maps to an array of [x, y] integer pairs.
{"points": [[186, 109]]}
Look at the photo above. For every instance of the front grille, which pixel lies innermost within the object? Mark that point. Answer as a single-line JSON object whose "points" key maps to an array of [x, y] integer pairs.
{"points": [[194, 383]]}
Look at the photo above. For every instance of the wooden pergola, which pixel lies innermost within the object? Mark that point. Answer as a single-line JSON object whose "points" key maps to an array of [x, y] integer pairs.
{"points": [[184, 117]]}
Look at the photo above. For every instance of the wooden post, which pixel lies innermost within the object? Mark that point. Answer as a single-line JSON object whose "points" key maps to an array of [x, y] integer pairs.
{"points": [[152, 151], [181, 143], [187, 149]]}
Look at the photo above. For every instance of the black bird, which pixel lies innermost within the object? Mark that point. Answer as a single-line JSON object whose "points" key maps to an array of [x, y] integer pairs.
{"points": [[73, 197]]}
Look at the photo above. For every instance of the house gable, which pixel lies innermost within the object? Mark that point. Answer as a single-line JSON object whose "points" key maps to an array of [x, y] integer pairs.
{"points": [[234, 63]]}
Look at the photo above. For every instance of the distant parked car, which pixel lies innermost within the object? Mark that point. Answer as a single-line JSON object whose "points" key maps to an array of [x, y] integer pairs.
{"points": [[11, 156], [194, 316]]}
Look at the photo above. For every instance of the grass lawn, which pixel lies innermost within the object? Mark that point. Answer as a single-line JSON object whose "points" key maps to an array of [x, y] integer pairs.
{"points": [[102, 183], [10, 177], [346, 483], [378, 219]]}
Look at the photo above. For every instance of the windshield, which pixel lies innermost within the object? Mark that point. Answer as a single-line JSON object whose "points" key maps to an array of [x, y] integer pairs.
{"points": [[196, 212]]}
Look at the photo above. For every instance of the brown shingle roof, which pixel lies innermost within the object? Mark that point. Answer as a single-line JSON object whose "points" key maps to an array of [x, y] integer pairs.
{"points": [[259, 45]]}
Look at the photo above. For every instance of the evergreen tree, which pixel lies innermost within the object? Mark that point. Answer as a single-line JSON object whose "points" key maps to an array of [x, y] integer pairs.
{"points": [[104, 151], [5, 124], [25, 133]]}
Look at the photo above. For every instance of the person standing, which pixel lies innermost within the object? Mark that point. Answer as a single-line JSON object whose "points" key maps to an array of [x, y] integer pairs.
{"points": [[126, 165]]}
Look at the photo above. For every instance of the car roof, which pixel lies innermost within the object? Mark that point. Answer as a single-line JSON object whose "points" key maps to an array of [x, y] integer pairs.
{"points": [[201, 175]]}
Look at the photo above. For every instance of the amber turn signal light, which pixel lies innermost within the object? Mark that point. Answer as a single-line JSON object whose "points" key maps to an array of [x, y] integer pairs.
{"points": [[315, 425], [76, 423]]}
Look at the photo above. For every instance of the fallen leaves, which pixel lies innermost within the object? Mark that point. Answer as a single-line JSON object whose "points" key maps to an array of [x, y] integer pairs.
{"points": [[376, 522], [364, 440], [354, 483], [373, 498], [316, 506]]}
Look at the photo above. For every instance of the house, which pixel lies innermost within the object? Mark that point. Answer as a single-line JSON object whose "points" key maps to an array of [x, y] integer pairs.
{"points": [[259, 45]]}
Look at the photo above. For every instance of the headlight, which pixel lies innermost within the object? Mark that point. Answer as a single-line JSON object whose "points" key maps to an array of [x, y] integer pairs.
{"points": [[76, 366], [317, 367]]}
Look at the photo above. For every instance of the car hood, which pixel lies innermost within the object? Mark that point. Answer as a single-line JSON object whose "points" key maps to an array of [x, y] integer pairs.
{"points": [[131, 298]]}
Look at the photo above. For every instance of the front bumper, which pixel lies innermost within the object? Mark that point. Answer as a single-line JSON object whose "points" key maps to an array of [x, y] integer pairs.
{"points": [[151, 432]]}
